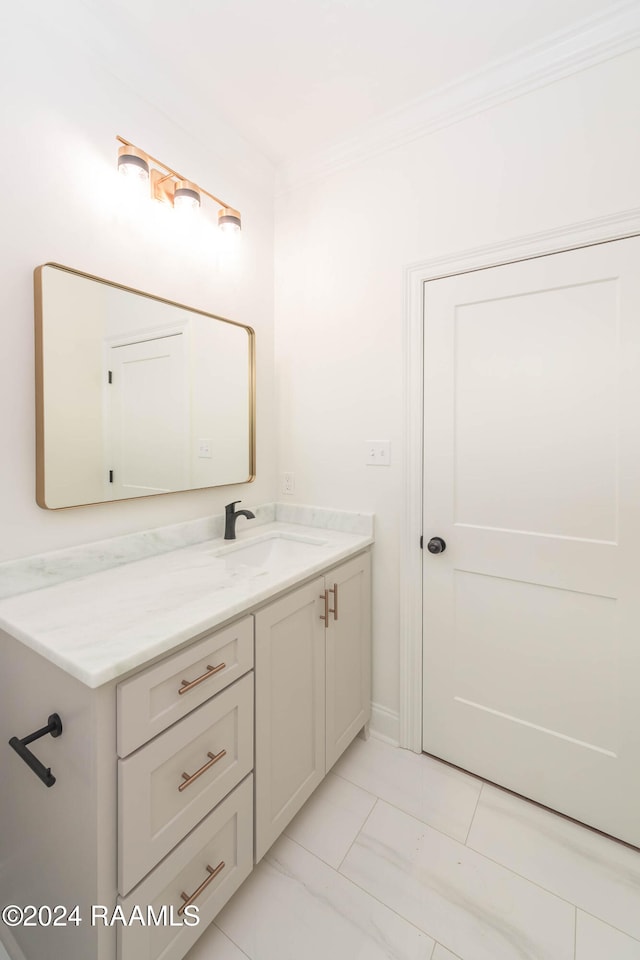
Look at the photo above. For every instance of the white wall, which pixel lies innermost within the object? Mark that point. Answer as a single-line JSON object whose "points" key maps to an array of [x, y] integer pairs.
{"points": [[65, 97], [73, 367], [564, 153]]}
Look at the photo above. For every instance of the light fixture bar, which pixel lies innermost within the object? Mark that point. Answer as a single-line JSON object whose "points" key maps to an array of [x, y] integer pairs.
{"points": [[174, 173]]}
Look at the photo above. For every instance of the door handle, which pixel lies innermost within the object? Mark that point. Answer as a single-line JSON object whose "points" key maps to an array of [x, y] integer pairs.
{"points": [[334, 591], [325, 616], [436, 545]]}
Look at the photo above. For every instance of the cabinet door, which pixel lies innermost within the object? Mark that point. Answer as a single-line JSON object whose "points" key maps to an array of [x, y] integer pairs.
{"points": [[290, 712], [348, 654]]}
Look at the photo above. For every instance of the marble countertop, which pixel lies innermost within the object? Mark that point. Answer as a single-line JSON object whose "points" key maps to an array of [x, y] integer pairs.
{"points": [[102, 625]]}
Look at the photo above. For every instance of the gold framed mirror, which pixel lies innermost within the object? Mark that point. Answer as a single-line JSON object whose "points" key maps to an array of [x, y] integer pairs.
{"points": [[136, 395]]}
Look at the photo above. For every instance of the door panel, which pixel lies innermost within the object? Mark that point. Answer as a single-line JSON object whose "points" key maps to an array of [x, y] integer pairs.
{"points": [[535, 406], [532, 477], [502, 622], [149, 417]]}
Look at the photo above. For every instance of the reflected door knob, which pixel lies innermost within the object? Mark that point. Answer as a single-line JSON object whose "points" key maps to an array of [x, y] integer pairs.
{"points": [[436, 545]]}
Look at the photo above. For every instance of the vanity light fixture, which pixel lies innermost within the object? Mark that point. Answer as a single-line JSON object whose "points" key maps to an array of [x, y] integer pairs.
{"points": [[169, 186]]}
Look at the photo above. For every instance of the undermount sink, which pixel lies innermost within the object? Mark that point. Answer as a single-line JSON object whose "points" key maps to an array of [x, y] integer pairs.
{"points": [[272, 550]]}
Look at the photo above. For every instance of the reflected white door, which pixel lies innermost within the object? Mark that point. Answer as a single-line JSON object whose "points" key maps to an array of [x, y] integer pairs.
{"points": [[149, 417], [532, 478]]}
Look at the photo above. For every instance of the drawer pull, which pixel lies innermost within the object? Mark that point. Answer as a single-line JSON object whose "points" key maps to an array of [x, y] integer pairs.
{"points": [[188, 900], [185, 685], [207, 766]]}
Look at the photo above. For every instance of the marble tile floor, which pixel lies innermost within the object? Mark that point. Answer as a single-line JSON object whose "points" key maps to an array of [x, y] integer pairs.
{"points": [[399, 856]]}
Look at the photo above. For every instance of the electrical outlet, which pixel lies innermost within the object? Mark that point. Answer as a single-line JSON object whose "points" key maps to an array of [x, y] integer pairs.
{"points": [[377, 453], [204, 449], [288, 483]]}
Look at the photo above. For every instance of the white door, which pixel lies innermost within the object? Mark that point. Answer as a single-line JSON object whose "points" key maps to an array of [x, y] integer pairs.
{"points": [[532, 479], [148, 414]]}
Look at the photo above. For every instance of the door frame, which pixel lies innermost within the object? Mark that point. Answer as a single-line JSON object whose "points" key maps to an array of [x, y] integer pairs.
{"points": [[583, 233]]}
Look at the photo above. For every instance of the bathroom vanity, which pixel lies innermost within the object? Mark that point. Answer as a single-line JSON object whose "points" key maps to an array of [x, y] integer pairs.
{"points": [[203, 694]]}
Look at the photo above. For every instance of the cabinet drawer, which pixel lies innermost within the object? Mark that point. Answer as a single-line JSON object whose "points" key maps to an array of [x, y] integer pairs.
{"points": [[157, 805], [226, 836], [151, 701]]}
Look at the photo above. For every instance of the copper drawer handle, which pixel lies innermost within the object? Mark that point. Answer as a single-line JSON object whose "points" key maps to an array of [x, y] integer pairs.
{"points": [[188, 900], [207, 766], [325, 616], [185, 685], [334, 591]]}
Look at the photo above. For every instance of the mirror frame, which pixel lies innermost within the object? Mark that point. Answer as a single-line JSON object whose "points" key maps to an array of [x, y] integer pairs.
{"points": [[39, 377]]}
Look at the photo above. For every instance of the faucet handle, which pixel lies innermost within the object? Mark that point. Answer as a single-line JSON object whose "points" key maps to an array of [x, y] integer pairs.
{"points": [[229, 508]]}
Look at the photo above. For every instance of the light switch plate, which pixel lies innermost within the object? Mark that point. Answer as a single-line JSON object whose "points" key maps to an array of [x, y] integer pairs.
{"points": [[377, 453], [288, 484], [204, 449]]}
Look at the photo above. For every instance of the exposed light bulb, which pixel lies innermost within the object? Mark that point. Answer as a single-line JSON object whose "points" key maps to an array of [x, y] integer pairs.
{"points": [[230, 227], [133, 172], [133, 164], [229, 220], [186, 196], [185, 203]]}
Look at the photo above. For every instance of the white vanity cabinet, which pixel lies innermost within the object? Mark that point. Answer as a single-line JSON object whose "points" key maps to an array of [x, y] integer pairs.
{"points": [[172, 780], [313, 683]]}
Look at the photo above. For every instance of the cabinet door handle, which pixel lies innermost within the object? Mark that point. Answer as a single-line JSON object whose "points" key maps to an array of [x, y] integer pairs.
{"points": [[188, 900], [334, 591], [325, 616], [188, 780], [209, 672]]}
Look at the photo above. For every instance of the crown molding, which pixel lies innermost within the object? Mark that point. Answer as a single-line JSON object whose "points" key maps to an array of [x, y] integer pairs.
{"points": [[587, 44]]}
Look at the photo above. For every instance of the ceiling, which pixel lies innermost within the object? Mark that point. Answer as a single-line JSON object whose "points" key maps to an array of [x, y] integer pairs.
{"points": [[295, 77]]}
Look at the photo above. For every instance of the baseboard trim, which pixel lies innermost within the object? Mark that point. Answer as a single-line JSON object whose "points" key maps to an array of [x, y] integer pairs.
{"points": [[385, 724]]}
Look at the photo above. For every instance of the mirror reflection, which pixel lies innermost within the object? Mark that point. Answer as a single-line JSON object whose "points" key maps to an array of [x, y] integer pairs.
{"points": [[136, 395]]}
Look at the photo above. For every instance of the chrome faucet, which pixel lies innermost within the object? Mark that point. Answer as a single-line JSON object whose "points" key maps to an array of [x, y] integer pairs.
{"points": [[230, 517]]}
